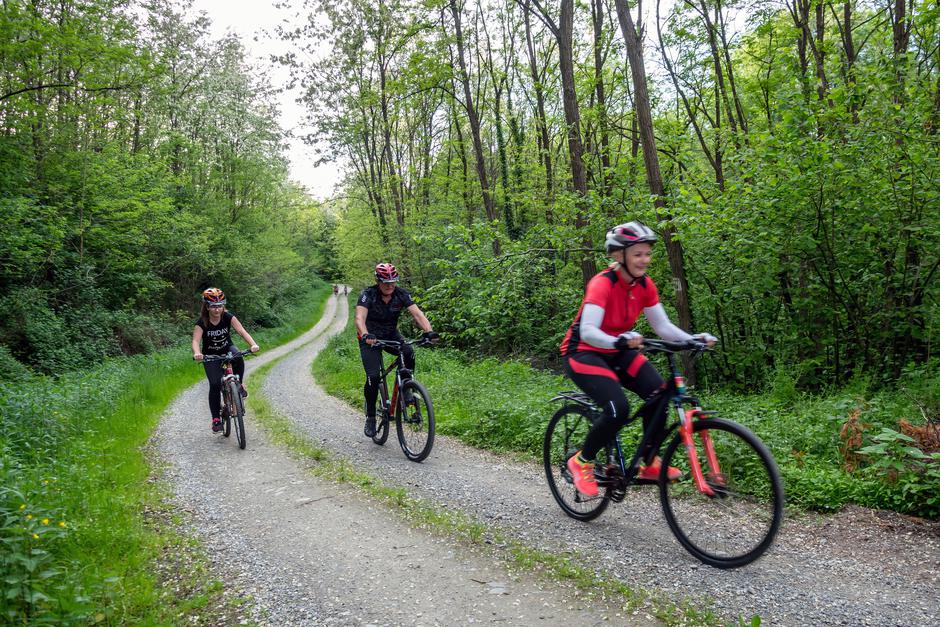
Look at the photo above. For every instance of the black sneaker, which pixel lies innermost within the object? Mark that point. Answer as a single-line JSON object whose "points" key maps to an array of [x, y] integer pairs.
{"points": [[369, 431], [243, 392], [216, 425]]}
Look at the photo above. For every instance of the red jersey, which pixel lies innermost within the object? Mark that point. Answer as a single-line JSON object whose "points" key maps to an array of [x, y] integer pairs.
{"points": [[622, 303]]}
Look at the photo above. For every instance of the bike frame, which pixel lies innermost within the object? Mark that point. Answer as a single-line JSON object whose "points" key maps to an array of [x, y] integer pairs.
{"points": [[227, 369], [398, 365], [674, 394]]}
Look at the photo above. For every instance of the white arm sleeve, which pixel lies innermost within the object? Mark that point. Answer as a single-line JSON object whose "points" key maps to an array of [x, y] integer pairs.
{"points": [[663, 327], [591, 318]]}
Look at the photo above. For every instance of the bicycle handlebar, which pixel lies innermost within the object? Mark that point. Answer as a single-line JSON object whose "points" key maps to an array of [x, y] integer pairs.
{"points": [[421, 341], [664, 346], [226, 356]]}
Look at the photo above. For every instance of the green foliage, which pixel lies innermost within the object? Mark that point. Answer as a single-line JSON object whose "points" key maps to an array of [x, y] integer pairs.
{"points": [[39, 584], [521, 302], [915, 474], [807, 211]]}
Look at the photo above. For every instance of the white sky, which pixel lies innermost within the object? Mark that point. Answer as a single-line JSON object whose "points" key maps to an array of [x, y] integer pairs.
{"points": [[246, 18]]}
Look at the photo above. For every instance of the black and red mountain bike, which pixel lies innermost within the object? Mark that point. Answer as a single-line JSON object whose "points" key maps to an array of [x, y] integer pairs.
{"points": [[726, 507]]}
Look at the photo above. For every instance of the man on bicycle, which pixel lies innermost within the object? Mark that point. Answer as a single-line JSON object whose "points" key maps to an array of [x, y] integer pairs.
{"points": [[600, 349], [380, 306]]}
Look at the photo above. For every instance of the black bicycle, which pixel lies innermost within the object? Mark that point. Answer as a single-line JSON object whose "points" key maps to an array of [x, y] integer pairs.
{"points": [[409, 406], [233, 405], [726, 507]]}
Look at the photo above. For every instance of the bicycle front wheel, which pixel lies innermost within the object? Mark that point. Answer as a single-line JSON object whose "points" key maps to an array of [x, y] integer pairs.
{"points": [[415, 421], [563, 438], [737, 523], [237, 413], [226, 421]]}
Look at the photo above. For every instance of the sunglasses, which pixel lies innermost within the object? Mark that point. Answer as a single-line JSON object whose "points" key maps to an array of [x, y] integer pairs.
{"points": [[216, 306]]}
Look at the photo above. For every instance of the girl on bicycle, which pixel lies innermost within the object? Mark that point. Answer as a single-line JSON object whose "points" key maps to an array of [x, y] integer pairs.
{"points": [[600, 349], [214, 331], [380, 306]]}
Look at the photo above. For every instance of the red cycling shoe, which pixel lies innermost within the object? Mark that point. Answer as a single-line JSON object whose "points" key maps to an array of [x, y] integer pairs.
{"points": [[583, 475], [651, 472]]}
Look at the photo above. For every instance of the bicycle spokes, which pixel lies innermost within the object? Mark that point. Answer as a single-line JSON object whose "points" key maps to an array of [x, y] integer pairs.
{"points": [[734, 520]]}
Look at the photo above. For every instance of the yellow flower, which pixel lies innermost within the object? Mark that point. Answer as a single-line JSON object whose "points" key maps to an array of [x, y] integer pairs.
{"points": [[23, 506], [35, 536], [45, 521], [29, 516], [62, 523]]}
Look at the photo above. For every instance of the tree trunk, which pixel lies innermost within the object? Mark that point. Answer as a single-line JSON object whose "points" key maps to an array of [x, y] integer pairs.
{"points": [[651, 160], [544, 144], [488, 204]]}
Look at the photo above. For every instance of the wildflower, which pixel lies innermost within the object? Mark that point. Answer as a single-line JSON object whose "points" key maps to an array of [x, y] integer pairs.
{"points": [[35, 536], [45, 521], [29, 516], [23, 506], [62, 523]]}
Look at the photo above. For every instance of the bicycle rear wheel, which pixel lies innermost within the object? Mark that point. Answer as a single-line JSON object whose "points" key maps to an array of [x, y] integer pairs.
{"points": [[415, 422], [738, 523], [381, 427], [563, 438]]}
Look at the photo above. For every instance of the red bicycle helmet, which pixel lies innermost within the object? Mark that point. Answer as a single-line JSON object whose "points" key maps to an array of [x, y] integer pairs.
{"points": [[386, 273], [213, 296]]}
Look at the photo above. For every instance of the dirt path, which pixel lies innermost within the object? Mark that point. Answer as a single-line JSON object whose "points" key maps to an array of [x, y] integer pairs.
{"points": [[856, 568], [310, 551]]}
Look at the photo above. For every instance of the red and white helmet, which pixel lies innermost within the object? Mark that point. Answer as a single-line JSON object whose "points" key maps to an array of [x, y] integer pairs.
{"points": [[626, 235], [213, 296], [386, 273]]}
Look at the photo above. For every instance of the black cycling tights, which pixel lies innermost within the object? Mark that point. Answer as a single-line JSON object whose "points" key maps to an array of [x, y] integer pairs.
{"points": [[372, 362], [214, 374], [602, 376]]}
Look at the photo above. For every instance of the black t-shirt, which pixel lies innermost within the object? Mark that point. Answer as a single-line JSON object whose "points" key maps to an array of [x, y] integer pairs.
{"points": [[216, 338], [382, 319]]}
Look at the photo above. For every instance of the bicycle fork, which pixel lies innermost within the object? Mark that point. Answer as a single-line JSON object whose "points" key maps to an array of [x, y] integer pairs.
{"points": [[686, 421]]}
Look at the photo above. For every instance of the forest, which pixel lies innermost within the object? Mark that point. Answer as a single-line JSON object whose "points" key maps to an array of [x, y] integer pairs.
{"points": [[787, 153]]}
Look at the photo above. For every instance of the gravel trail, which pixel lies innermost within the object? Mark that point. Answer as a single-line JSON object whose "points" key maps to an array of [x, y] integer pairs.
{"points": [[313, 552], [858, 567]]}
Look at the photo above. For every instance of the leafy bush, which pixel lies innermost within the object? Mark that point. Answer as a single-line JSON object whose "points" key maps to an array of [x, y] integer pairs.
{"points": [[39, 584], [10, 368]]}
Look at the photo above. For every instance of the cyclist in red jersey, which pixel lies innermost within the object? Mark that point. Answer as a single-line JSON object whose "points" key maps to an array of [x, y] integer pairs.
{"points": [[600, 349]]}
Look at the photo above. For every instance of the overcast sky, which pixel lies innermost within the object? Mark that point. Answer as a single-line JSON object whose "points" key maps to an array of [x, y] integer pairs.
{"points": [[246, 18]]}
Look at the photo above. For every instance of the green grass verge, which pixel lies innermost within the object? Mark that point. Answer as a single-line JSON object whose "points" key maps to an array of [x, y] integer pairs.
{"points": [[461, 527], [504, 406], [88, 534]]}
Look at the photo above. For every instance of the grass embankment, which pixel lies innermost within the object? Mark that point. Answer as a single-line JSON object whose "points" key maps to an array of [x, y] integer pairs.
{"points": [[86, 533], [841, 448]]}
